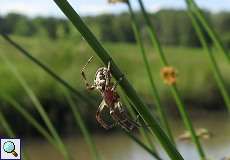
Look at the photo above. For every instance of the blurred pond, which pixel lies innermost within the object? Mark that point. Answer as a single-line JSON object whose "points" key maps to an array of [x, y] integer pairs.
{"points": [[114, 146]]}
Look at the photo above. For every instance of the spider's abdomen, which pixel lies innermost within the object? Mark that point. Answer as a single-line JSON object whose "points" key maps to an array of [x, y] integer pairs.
{"points": [[100, 78], [110, 97]]}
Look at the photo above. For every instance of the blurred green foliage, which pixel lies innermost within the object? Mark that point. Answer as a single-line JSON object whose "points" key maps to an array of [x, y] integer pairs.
{"points": [[66, 57], [173, 27]]}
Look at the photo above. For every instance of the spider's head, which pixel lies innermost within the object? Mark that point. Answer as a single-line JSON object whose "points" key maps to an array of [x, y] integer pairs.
{"points": [[100, 78]]}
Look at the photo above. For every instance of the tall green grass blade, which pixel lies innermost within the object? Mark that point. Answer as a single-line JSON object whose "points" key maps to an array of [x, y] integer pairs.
{"points": [[87, 136], [5, 125], [156, 97], [213, 63], [79, 121], [153, 35], [214, 36], [39, 108], [68, 86], [27, 116], [9, 131], [184, 114], [48, 70], [128, 89], [144, 132], [188, 123], [150, 151]]}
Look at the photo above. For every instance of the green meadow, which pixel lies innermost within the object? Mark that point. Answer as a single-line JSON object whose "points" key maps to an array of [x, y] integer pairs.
{"points": [[67, 57]]}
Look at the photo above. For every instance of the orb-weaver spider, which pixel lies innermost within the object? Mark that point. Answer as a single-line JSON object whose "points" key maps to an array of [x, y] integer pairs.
{"points": [[111, 99]]}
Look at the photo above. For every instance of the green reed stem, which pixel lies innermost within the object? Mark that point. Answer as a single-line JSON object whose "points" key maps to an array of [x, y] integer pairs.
{"points": [[27, 116], [47, 70], [126, 86], [6, 126], [213, 64], [156, 97], [184, 114], [39, 108], [211, 32], [9, 131], [143, 145], [143, 132], [79, 121]]}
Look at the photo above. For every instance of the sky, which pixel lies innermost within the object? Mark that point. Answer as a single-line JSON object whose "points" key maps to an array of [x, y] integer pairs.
{"points": [[94, 7]]}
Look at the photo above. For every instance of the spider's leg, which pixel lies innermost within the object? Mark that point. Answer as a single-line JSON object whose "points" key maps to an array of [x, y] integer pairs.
{"points": [[99, 118], [88, 86], [108, 67], [107, 76], [113, 125], [84, 67], [107, 81], [114, 116], [129, 121], [121, 119]]}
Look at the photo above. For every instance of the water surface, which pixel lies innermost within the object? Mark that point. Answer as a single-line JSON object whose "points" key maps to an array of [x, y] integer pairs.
{"points": [[116, 146]]}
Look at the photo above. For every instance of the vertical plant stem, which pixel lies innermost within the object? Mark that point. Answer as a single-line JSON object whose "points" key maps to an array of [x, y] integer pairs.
{"points": [[153, 35], [151, 148], [48, 70], [5, 125], [143, 145], [187, 122], [213, 64], [79, 121], [27, 116], [39, 108], [127, 88], [9, 131], [156, 97], [143, 132], [214, 36], [184, 114]]}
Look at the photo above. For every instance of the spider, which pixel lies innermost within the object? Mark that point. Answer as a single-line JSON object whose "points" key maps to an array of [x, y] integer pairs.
{"points": [[111, 99]]}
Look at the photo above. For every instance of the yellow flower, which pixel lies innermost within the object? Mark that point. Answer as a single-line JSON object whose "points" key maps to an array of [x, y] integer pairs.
{"points": [[169, 75], [117, 1]]}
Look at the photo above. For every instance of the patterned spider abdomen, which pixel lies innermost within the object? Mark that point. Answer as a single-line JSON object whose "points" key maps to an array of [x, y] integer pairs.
{"points": [[110, 96], [100, 78]]}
